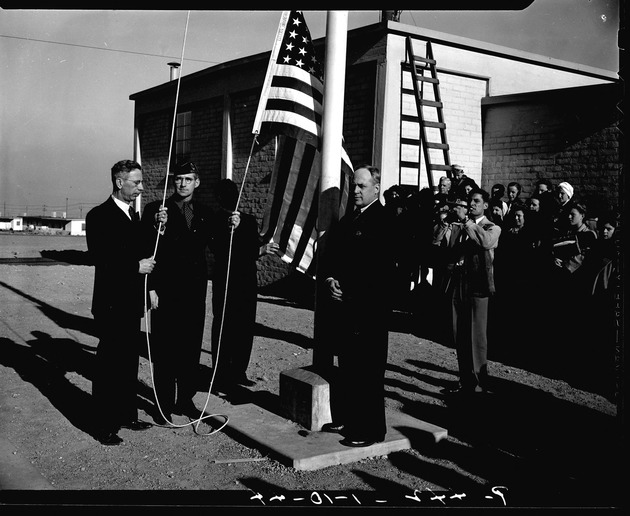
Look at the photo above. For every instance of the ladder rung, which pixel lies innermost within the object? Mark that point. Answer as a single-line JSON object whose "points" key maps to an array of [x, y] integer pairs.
{"points": [[417, 142], [439, 167], [427, 123], [435, 125], [432, 103], [410, 141], [409, 164], [432, 145], [423, 78], [424, 60]]}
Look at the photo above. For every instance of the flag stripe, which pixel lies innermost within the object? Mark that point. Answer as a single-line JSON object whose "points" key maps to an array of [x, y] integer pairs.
{"points": [[311, 88], [304, 248], [279, 179], [292, 108], [291, 130], [299, 200]]}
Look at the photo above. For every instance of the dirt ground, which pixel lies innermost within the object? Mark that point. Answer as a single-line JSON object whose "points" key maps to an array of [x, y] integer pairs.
{"points": [[535, 442]]}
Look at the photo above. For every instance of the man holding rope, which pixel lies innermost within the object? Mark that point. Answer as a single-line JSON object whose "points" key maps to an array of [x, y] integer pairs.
{"points": [[116, 247], [236, 246], [177, 290]]}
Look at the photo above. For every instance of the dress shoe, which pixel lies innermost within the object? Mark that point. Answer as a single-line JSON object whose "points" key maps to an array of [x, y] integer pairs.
{"points": [[333, 428], [137, 425], [456, 391], [109, 439], [246, 382], [358, 444], [482, 390]]}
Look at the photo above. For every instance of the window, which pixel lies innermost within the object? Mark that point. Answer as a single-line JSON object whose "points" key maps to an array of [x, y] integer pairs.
{"points": [[183, 136]]}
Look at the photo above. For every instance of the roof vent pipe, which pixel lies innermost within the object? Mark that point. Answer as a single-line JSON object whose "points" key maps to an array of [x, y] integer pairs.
{"points": [[390, 16], [174, 71]]}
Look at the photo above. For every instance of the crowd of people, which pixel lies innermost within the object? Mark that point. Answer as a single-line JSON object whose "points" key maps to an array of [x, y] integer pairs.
{"points": [[531, 279], [549, 274]]}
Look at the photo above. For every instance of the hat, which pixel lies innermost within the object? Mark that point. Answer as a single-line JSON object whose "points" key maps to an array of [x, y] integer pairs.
{"points": [[457, 167], [185, 168], [567, 188]]}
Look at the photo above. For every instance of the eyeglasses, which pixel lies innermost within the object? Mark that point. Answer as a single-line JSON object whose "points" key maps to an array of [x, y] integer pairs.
{"points": [[184, 180]]}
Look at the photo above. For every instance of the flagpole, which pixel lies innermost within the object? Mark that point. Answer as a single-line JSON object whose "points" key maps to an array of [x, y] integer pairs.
{"points": [[332, 133]]}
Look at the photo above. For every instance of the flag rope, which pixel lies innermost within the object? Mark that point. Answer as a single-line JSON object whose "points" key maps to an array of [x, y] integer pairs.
{"points": [[197, 421]]}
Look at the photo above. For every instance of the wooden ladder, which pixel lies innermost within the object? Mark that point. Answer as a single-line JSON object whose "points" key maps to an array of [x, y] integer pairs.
{"points": [[430, 118]]}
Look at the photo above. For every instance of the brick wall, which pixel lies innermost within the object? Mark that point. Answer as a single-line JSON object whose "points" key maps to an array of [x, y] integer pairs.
{"points": [[563, 135], [462, 107], [155, 132]]}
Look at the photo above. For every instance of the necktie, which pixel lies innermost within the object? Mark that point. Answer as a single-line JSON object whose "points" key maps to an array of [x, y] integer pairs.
{"points": [[463, 236], [133, 214], [188, 214]]}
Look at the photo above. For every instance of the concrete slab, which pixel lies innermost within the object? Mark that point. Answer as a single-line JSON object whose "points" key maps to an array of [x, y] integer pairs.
{"points": [[294, 446]]}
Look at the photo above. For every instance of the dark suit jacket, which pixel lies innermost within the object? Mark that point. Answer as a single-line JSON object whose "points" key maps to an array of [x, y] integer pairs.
{"points": [[359, 255], [115, 247], [181, 271], [244, 254]]}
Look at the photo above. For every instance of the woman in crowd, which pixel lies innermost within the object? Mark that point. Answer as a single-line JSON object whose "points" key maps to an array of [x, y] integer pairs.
{"points": [[572, 283]]}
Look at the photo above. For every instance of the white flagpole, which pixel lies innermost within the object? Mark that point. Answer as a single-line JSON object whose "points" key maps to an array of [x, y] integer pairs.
{"points": [[332, 132]]}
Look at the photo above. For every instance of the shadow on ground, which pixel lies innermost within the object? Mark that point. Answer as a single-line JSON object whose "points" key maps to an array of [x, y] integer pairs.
{"points": [[70, 256]]}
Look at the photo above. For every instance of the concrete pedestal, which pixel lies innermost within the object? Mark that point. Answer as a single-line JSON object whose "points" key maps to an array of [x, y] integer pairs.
{"points": [[305, 398]]}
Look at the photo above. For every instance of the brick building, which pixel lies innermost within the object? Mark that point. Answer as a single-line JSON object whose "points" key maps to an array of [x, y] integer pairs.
{"points": [[510, 115]]}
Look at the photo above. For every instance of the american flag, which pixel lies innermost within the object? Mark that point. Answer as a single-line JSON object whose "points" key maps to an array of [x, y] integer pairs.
{"points": [[291, 108]]}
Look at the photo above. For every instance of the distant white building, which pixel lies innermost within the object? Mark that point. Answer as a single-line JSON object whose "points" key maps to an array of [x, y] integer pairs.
{"points": [[11, 224], [76, 227]]}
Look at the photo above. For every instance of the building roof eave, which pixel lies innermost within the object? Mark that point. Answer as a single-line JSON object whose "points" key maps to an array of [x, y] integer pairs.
{"points": [[455, 41]]}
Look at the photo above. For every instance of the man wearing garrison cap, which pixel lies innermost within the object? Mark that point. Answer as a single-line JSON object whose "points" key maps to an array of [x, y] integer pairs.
{"points": [[177, 292]]}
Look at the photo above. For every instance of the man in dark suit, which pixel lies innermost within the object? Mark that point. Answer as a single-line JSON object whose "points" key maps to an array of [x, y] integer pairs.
{"points": [[236, 246], [469, 282], [115, 245], [357, 271], [177, 291]]}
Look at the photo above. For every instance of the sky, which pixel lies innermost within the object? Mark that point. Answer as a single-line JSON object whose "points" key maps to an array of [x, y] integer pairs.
{"points": [[66, 77]]}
